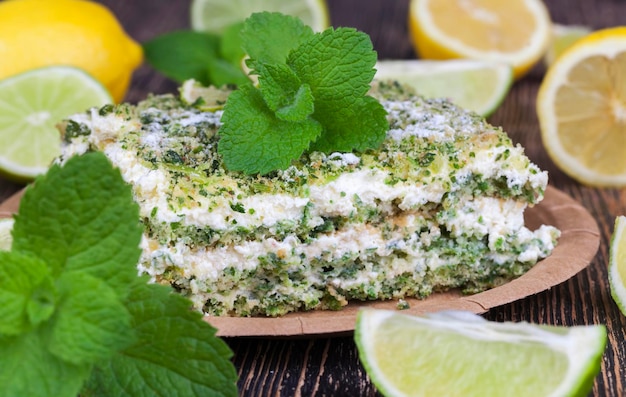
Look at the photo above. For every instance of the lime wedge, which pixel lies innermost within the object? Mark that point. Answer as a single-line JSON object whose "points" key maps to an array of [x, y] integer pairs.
{"points": [[6, 225], [617, 263], [462, 354], [31, 104], [474, 85], [208, 99], [216, 15], [563, 36]]}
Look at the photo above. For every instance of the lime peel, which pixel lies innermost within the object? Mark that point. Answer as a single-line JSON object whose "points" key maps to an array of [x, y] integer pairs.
{"points": [[617, 263]]}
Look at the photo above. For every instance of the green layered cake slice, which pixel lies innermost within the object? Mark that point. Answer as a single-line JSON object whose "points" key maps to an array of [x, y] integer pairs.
{"points": [[438, 206]]}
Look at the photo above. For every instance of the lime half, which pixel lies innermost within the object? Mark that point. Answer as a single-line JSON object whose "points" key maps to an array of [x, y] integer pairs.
{"points": [[31, 104], [474, 85], [617, 263], [462, 354], [216, 15], [6, 239]]}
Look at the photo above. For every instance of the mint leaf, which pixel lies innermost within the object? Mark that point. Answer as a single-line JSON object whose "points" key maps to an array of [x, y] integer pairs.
{"points": [[300, 107], [231, 45], [361, 125], [26, 292], [70, 298], [81, 217], [269, 37], [284, 93], [338, 65], [253, 139], [175, 351], [312, 95], [27, 368], [222, 72], [204, 57], [42, 302], [183, 55], [90, 324]]}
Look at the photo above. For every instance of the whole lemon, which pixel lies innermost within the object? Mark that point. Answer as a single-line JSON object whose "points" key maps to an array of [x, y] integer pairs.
{"points": [[80, 33]]}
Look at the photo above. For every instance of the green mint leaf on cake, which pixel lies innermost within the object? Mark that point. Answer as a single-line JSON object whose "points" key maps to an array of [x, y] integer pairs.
{"points": [[197, 363], [311, 95], [254, 139], [71, 300], [269, 38], [339, 66], [284, 93]]}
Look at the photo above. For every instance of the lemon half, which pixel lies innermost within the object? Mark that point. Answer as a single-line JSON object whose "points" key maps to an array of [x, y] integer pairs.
{"points": [[515, 32], [581, 106]]}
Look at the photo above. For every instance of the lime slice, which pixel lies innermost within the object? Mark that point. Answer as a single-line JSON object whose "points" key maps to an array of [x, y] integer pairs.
{"points": [[617, 263], [6, 225], [474, 85], [208, 99], [563, 36], [31, 104], [462, 354], [216, 15]]}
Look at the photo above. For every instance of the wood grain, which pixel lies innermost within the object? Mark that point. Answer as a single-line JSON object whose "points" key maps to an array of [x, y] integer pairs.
{"points": [[330, 366]]}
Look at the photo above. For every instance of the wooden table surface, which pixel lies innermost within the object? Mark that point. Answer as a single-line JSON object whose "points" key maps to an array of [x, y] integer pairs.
{"points": [[330, 366]]}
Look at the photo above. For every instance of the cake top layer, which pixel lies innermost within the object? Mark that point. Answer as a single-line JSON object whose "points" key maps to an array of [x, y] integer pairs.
{"points": [[167, 149]]}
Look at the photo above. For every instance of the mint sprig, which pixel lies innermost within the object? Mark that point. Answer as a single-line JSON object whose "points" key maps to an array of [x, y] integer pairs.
{"points": [[311, 95], [74, 315]]}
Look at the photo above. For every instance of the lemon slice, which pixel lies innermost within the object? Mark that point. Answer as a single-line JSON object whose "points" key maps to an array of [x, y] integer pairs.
{"points": [[563, 36], [31, 104], [462, 354], [581, 108], [475, 85], [216, 15], [617, 263], [6, 239], [516, 32]]}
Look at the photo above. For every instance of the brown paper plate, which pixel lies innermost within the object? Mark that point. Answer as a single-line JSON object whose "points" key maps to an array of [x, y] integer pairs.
{"points": [[577, 246]]}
